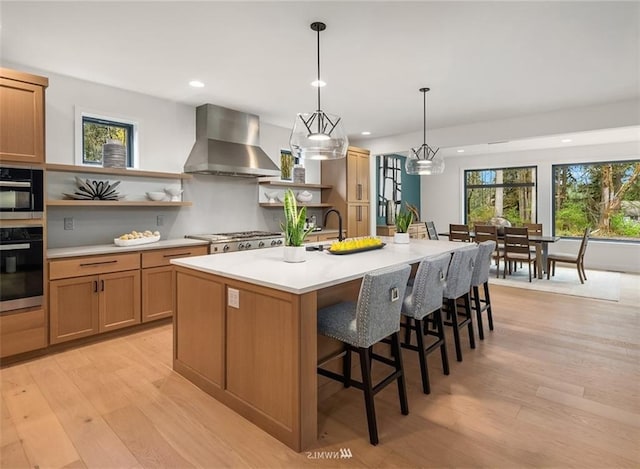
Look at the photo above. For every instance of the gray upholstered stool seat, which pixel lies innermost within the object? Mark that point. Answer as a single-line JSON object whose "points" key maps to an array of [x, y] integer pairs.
{"points": [[360, 325], [458, 287], [423, 300], [480, 277]]}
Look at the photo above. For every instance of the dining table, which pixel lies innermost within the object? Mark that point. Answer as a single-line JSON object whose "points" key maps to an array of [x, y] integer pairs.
{"points": [[542, 248]]}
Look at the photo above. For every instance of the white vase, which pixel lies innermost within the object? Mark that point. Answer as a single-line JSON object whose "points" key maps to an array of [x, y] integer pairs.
{"points": [[294, 253], [401, 238]]}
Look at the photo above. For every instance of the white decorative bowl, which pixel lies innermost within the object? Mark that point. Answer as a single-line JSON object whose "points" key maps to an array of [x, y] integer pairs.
{"points": [[174, 192], [304, 196], [156, 195]]}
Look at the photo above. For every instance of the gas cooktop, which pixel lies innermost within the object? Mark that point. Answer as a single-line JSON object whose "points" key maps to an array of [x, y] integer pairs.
{"points": [[240, 240]]}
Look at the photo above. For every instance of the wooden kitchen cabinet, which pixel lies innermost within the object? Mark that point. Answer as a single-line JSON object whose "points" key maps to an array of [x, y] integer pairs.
{"points": [[350, 180], [357, 220], [22, 331], [158, 283], [93, 294], [22, 116]]}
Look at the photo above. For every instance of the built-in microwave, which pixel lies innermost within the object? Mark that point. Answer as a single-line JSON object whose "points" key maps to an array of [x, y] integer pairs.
{"points": [[21, 267], [21, 192]]}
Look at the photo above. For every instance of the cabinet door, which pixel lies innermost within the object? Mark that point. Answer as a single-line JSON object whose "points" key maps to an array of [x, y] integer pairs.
{"points": [[22, 332], [358, 220], [119, 299], [357, 177], [22, 117], [73, 308], [157, 293]]}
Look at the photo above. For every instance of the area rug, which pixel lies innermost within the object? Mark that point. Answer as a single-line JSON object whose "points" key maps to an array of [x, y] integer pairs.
{"points": [[601, 285]]}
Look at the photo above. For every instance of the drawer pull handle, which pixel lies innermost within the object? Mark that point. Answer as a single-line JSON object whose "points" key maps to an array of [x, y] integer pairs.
{"points": [[101, 285], [89, 264], [95, 286], [178, 254]]}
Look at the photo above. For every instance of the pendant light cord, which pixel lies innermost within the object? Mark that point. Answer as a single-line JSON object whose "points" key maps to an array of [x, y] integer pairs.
{"points": [[424, 115], [318, 69]]}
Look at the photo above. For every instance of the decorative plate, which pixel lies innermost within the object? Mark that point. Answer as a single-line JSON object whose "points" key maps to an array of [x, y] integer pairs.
{"points": [[353, 251]]}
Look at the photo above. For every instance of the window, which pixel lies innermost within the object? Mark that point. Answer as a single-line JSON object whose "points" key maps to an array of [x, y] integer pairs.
{"points": [[94, 131], [508, 193], [603, 196]]}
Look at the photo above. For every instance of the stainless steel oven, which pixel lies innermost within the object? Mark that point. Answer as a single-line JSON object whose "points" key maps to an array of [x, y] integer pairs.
{"points": [[21, 192], [21, 267]]}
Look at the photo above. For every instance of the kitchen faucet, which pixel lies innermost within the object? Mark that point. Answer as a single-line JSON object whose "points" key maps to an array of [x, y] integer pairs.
{"points": [[324, 223]]}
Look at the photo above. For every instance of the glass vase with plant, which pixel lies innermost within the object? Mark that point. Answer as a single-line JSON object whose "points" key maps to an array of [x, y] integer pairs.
{"points": [[294, 228], [404, 219]]}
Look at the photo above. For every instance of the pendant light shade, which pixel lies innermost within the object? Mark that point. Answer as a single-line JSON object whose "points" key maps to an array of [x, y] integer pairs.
{"points": [[424, 160], [318, 135]]}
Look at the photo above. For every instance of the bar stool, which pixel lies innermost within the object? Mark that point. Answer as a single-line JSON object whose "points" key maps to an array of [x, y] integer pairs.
{"points": [[423, 300], [360, 325], [479, 277], [458, 287]]}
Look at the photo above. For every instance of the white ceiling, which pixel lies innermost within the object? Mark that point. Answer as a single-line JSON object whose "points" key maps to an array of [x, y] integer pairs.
{"points": [[482, 60]]}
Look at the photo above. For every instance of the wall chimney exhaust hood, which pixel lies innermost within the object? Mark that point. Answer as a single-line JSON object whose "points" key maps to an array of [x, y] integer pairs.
{"points": [[227, 144]]}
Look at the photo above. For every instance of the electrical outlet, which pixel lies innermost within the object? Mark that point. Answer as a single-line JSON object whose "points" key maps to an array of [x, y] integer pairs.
{"points": [[68, 223], [160, 220], [233, 297]]}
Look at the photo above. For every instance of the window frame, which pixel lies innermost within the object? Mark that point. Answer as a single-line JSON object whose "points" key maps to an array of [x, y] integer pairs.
{"points": [[503, 185], [553, 201], [83, 115]]}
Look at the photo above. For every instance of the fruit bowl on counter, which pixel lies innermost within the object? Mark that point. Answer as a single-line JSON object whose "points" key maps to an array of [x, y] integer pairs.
{"points": [[137, 237], [353, 245]]}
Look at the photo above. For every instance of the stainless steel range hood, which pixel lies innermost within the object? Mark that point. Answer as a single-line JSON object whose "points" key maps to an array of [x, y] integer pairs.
{"points": [[227, 144]]}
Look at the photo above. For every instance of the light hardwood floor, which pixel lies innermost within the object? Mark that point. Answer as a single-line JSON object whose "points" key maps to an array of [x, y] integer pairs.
{"points": [[557, 384]]}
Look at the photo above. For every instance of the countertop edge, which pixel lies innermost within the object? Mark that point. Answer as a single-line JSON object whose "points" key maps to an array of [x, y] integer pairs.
{"points": [[77, 251]]}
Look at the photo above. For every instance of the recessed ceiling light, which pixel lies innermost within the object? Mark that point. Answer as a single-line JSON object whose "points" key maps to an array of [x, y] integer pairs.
{"points": [[318, 83], [365, 132], [460, 151], [196, 84], [566, 140]]}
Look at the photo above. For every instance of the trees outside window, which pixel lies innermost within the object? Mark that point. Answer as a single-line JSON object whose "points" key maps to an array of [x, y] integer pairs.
{"points": [[602, 196], [501, 192], [96, 132]]}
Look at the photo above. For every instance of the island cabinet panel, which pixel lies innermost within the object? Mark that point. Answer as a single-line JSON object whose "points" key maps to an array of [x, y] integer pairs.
{"points": [[259, 321], [199, 328]]}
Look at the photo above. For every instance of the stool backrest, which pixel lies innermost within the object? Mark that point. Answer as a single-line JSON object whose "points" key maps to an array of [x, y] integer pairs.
{"points": [[459, 233], [379, 304], [483, 263], [432, 233], [460, 271], [428, 285]]}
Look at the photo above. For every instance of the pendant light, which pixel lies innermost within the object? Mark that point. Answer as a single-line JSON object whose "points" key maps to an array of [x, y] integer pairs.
{"points": [[318, 135], [423, 161]]}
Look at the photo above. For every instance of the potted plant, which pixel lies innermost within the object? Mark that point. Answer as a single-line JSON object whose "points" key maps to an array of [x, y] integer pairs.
{"points": [[294, 229], [403, 221]]}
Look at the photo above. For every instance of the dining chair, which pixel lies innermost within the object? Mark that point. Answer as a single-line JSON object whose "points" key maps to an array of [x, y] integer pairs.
{"points": [[517, 249], [432, 233], [480, 277], [490, 233], [458, 287], [459, 233], [577, 259], [423, 303], [360, 325], [533, 228]]}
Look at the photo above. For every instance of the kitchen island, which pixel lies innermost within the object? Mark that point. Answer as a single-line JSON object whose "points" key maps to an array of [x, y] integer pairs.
{"points": [[245, 327]]}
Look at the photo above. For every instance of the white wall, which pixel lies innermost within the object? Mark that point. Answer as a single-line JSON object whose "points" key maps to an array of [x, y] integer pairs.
{"points": [[442, 195], [166, 135]]}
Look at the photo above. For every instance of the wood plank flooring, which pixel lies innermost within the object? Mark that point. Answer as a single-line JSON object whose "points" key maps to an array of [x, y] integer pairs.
{"points": [[557, 384]]}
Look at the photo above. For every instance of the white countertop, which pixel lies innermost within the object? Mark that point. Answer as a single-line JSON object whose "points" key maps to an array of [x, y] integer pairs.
{"points": [[113, 249], [321, 269]]}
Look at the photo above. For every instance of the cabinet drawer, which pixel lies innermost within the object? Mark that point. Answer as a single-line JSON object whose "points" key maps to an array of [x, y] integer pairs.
{"points": [[160, 257], [91, 265], [22, 332]]}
